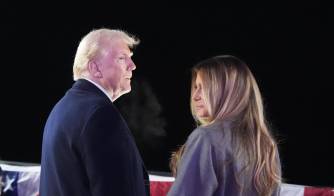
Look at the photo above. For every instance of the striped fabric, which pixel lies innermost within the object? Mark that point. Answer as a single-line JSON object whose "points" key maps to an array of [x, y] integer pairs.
{"points": [[19, 179]]}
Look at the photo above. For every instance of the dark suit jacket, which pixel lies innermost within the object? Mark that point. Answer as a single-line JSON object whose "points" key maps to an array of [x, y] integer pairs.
{"points": [[88, 148]]}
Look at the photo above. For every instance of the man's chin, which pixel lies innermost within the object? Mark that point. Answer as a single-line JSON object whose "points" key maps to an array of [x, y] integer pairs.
{"points": [[125, 91], [117, 95]]}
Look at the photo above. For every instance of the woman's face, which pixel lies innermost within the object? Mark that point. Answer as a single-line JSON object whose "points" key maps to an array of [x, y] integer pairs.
{"points": [[199, 106]]}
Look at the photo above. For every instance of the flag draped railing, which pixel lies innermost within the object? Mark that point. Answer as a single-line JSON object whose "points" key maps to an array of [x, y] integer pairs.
{"points": [[22, 179]]}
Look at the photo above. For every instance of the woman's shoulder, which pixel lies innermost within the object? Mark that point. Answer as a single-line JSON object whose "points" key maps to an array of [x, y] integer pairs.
{"points": [[214, 133]]}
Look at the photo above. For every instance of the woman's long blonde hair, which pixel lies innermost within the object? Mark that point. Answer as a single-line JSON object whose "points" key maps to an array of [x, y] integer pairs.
{"points": [[231, 93]]}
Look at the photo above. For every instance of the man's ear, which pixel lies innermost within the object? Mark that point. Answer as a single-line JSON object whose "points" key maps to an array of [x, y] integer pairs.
{"points": [[94, 69]]}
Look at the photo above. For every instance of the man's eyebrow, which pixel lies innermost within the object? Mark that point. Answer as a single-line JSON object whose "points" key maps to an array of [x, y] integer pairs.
{"points": [[125, 52]]}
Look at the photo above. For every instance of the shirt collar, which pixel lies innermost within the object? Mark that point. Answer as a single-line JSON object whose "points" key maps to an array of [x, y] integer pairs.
{"points": [[100, 87]]}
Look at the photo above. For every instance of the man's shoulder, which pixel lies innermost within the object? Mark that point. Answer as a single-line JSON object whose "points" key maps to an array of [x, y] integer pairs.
{"points": [[86, 98]]}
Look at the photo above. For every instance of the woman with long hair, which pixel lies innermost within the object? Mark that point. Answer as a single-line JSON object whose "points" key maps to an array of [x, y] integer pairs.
{"points": [[232, 151]]}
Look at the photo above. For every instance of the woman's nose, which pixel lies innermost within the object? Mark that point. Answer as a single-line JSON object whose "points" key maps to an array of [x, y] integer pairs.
{"points": [[196, 95]]}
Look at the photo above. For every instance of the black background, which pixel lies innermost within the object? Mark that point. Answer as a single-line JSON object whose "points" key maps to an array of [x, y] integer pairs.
{"points": [[289, 49]]}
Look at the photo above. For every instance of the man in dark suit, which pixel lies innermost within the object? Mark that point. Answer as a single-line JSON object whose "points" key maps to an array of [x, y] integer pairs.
{"points": [[88, 150]]}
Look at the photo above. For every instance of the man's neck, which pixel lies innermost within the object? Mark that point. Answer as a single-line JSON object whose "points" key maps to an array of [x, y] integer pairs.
{"points": [[108, 94]]}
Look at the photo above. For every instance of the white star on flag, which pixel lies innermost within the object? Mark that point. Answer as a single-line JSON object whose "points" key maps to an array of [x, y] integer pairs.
{"points": [[8, 184]]}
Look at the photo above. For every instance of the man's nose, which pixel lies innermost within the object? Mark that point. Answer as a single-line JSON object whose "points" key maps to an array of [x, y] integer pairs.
{"points": [[132, 65]]}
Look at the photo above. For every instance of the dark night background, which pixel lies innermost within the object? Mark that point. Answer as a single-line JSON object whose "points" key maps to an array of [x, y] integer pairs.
{"points": [[289, 49]]}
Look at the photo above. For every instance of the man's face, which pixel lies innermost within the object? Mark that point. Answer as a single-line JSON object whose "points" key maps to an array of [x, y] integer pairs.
{"points": [[116, 67]]}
